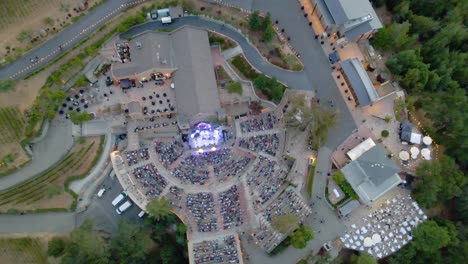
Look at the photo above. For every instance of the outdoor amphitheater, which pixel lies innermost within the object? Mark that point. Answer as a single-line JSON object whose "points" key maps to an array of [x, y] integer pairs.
{"points": [[221, 179]]}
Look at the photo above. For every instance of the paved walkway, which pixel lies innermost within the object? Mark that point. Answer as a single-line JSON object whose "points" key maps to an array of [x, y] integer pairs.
{"points": [[46, 153], [37, 223]]}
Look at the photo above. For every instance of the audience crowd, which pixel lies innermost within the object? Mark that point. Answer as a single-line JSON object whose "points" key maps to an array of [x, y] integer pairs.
{"points": [[230, 207], [169, 151], [135, 156], [266, 143], [216, 251], [265, 179], [152, 181], [201, 207], [261, 122]]}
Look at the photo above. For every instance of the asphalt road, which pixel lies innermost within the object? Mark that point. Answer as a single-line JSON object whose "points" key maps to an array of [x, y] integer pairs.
{"points": [[67, 38]]}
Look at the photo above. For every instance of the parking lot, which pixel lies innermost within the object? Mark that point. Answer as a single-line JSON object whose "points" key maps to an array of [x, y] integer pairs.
{"points": [[103, 213]]}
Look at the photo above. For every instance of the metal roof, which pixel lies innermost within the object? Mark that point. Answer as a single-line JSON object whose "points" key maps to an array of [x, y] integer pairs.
{"points": [[372, 174], [359, 81], [195, 84]]}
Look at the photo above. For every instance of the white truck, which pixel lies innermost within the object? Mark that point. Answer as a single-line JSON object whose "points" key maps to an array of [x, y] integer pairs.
{"points": [[119, 198], [124, 207]]}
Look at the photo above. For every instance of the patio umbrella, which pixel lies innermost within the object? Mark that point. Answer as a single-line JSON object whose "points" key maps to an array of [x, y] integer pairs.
{"points": [[376, 239], [368, 242], [427, 140], [404, 155], [426, 153]]}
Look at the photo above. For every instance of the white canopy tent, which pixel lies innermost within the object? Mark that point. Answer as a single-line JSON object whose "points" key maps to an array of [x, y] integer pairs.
{"points": [[362, 147], [415, 138]]}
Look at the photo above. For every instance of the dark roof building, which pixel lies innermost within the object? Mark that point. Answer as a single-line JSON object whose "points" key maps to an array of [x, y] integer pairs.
{"points": [[372, 174], [351, 19], [357, 79]]}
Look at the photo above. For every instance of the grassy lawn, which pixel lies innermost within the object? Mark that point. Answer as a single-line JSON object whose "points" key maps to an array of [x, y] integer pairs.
{"points": [[339, 179], [48, 190], [23, 250], [235, 87]]}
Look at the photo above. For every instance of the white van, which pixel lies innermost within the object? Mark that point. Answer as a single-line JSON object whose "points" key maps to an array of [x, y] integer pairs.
{"points": [[166, 20], [119, 198], [141, 214], [101, 192], [124, 207]]}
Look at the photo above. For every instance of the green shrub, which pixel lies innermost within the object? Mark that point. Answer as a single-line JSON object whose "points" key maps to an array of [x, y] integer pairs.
{"points": [[244, 67], [56, 247], [339, 179], [384, 133]]}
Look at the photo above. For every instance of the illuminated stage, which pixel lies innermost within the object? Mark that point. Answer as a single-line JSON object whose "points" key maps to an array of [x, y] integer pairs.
{"points": [[204, 135]]}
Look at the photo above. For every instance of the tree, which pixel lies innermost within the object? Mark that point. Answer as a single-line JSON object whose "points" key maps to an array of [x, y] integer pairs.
{"points": [[159, 208], [363, 258], [85, 246], [79, 118], [7, 85], [56, 247], [425, 27], [429, 237], [129, 245], [323, 121], [266, 21], [285, 223], [269, 33], [439, 181], [384, 133], [254, 21], [300, 236]]}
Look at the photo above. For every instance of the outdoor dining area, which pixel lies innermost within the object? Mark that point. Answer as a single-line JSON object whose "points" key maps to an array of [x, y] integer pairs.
{"points": [[387, 229], [411, 155]]}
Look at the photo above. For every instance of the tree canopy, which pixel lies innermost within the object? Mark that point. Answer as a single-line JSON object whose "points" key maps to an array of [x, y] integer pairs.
{"points": [[363, 258], [129, 244], [159, 208], [300, 236], [79, 118], [434, 69], [254, 21], [438, 182]]}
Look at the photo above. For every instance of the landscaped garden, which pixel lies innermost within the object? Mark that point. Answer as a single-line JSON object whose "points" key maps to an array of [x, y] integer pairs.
{"points": [[339, 179], [270, 88], [49, 190]]}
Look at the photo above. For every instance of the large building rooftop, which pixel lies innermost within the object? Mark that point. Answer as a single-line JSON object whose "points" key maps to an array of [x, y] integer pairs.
{"points": [[372, 174], [186, 54]]}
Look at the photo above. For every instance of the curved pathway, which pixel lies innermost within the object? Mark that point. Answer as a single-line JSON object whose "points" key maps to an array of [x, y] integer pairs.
{"points": [[46, 153]]}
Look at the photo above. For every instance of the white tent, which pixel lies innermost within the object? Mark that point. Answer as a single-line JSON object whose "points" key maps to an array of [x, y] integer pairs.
{"points": [[368, 242], [404, 155], [427, 140], [415, 138], [362, 147]]}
